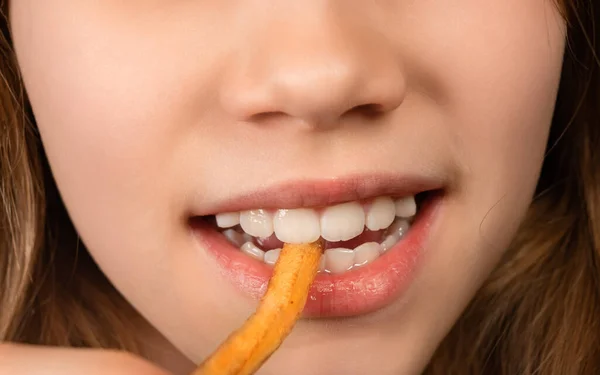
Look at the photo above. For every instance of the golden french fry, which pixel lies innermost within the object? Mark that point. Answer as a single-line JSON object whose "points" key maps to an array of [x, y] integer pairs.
{"points": [[248, 348]]}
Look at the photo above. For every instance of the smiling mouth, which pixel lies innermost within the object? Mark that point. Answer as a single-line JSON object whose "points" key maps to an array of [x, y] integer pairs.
{"points": [[354, 233], [375, 230]]}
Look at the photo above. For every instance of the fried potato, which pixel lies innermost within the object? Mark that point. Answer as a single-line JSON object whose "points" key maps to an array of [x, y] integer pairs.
{"points": [[249, 347]]}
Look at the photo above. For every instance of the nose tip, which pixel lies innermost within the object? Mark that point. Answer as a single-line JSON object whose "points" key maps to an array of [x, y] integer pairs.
{"points": [[318, 94], [315, 76]]}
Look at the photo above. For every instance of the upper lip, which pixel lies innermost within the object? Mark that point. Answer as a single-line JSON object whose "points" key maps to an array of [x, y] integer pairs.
{"points": [[325, 192]]}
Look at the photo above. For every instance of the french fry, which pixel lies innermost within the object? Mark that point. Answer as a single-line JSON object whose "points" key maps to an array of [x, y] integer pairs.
{"points": [[249, 347]]}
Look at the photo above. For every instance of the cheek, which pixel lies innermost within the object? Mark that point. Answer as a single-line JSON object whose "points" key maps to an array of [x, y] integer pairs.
{"points": [[496, 72], [116, 93], [492, 71], [111, 89], [108, 103], [493, 68]]}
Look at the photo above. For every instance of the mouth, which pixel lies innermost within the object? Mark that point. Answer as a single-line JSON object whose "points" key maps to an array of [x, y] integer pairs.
{"points": [[354, 233], [371, 244]]}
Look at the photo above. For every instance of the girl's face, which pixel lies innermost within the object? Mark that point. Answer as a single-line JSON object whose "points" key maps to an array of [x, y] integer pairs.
{"points": [[156, 115]]}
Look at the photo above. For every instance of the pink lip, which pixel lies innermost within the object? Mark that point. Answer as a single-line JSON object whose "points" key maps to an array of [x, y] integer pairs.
{"points": [[324, 192], [356, 292]]}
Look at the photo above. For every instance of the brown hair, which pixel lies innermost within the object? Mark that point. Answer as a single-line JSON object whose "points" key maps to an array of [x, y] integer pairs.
{"points": [[539, 312]]}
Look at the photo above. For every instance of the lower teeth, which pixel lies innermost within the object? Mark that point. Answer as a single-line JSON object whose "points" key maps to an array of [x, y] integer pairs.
{"points": [[335, 260]]}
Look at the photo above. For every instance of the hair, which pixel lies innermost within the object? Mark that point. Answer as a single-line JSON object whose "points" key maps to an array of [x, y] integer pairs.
{"points": [[538, 313]]}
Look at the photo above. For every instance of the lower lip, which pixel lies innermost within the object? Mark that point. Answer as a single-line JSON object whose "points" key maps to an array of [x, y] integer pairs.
{"points": [[356, 292]]}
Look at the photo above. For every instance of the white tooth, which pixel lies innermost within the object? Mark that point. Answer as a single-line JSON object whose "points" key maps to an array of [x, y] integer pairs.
{"points": [[257, 223], [406, 207], [381, 213], [322, 264], [300, 225], [235, 237], [366, 253], [247, 237], [399, 227], [339, 260], [251, 249], [389, 242], [228, 219], [396, 231], [342, 222], [271, 256]]}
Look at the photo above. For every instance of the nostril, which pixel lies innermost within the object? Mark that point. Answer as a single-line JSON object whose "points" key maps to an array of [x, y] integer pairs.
{"points": [[366, 110], [264, 117]]}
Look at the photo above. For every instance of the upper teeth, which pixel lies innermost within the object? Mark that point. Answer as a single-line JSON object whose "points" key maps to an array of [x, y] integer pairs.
{"points": [[299, 225], [340, 222]]}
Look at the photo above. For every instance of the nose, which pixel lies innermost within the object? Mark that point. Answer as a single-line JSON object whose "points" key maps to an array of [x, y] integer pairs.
{"points": [[315, 68]]}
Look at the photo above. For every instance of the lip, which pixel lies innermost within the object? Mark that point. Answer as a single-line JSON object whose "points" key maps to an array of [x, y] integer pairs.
{"points": [[356, 292], [324, 192]]}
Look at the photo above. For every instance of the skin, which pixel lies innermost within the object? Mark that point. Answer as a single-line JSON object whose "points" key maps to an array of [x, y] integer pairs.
{"points": [[148, 109]]}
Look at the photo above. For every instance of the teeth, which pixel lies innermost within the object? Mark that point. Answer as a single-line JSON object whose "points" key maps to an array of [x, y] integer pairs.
{"points": [[322, 264], [253, 250], [271, 256], [257, 223], [366, 253], [236, 238], [389, 242], [381, 213], [228, 219], [335, 260], [406, 207], [395, 233], [342, 222], [339, 260], [399, 227], [247, 237], [299, 225], [337, 223]]}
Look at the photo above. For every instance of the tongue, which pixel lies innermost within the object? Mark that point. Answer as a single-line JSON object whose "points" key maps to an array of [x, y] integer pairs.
{"points": [[272, 242]]}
